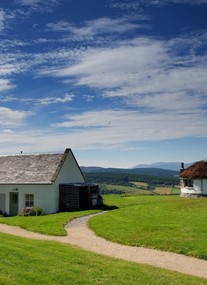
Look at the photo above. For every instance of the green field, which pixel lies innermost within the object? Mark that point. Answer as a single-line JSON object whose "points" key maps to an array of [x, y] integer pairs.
{"points": [[49, 224], [110, 188], [142, 185], [138, 188], [168, 223], [25, 262], [163, 190]]}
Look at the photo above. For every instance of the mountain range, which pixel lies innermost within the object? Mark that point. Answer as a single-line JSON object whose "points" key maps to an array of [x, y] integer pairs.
{"points": [[163, 165], [159, 169], [172, 166]]}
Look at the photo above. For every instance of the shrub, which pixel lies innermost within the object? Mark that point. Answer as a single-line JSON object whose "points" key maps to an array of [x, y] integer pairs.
{"points": [[31, 211], [3, 214], [37, 211]]}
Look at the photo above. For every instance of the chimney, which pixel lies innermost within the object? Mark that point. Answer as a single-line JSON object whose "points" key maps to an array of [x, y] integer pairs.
{"points": [[182, 167]]}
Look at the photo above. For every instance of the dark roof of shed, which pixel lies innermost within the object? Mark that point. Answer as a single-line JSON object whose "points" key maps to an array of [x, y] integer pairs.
{"points": [[197, 170], [31, 169]]}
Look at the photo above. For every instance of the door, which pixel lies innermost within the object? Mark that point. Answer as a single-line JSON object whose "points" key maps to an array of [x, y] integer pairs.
{"points": [[14, 204], [84, 198]]}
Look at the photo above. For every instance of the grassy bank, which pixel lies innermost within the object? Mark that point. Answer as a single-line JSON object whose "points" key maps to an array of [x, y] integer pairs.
{"points": [[25, 262], [168, 223], [49, 224]]}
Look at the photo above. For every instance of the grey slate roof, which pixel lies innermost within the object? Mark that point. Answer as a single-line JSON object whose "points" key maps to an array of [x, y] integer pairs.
{"points": [[31, 169]]}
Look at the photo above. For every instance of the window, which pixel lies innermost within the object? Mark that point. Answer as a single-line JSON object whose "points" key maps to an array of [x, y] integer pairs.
{"points": [[29, 200], [188, 182]]}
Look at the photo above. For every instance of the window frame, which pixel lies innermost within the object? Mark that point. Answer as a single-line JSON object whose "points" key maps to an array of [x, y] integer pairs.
{"points": [[188, 182], [29, 200]]}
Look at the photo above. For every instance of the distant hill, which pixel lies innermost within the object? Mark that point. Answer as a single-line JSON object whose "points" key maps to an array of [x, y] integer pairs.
{"points": [[163, 165], [142, 171]]}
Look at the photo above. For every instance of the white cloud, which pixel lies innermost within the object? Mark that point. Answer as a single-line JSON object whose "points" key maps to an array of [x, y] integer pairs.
{"points": [[161, 2], [11, 118], [121, 126], [8, 68], [54, 100], [96, 27], [29, 2], [2, 18], [8, 99], [107, 129], [192, 2], [115, 66], [125, 5], [39, 4], [137, 6], [5, 85], [68, 97], [143, 72], [174, 102], [5, 17]]}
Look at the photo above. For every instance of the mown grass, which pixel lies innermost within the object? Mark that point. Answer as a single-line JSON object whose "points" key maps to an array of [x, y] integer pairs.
{"points": [[49, 224], [168, 223], [25, 262]]}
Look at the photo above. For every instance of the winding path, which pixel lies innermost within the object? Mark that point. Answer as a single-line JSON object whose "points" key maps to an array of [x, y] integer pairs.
{"points": [[80, 235]]}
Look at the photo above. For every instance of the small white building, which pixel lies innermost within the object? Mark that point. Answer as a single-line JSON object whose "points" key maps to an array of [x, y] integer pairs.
{"points": [[36, 180], [193, 180]]}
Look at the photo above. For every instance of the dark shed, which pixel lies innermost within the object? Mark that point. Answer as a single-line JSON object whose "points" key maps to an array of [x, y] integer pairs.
{"points": [[80, 196]]}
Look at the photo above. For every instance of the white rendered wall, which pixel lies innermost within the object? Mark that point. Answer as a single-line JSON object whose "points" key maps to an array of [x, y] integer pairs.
{"points": [[205, 186], [199, 187], [70, 172], [46, 196]]}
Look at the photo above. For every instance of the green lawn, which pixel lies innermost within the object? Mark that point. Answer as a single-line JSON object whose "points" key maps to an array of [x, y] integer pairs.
{"points": [[25, 262], [49, 224], [168, 223]]}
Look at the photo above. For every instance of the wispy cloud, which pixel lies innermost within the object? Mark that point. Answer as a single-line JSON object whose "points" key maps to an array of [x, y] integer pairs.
{"points": [[5, 17], [2, 18], [122, 126], [5, 85], [96, 27], [11, 118], [38, 5], [138, 7], [152, 78], [68, 97], [54, 100], [115, 66], [125, 5], [191, 2], [153, 82], [132, 5], [138, 68]]}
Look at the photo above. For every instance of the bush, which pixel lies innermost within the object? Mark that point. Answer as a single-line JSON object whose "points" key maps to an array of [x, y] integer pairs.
{"points": [[31, 211], [3, 214], [37, 210]]}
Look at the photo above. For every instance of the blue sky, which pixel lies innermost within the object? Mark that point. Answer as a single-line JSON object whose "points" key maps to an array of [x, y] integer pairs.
{"points": [[120, 82]]}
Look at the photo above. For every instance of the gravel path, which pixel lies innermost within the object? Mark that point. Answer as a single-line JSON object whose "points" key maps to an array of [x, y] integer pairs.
{"points": [[80, 235]]}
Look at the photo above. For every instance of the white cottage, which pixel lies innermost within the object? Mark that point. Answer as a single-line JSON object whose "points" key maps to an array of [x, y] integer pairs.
{"points": [[193, 180], [40, 180]]}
